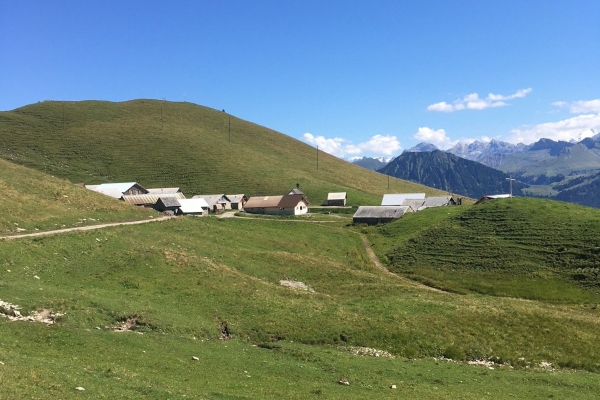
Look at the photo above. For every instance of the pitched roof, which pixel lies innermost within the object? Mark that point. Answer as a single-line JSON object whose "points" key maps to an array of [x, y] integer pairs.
{"points": [[380, 211], [295, 191], [437, 201], [414, 204], [290, 200], [169, 202], [263, 201], [235, 198], [336, 196], [164, 190], [120, 186], [141, 199], [189, 206], [212, 199], [397, 199]]}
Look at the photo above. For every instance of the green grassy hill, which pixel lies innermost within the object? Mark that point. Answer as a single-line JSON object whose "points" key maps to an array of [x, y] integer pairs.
{"points": [[181, 281], [35, 201], [519, 247], [97, 142]]}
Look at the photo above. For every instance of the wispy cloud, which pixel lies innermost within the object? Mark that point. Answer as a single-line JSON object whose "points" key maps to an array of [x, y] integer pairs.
{"points": [[584, 125], [580, 107], [377, 146], [474, 102]]}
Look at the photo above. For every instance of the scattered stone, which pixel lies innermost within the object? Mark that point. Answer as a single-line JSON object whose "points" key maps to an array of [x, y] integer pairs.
{"points": [[368, 351], [11, 311], [344, 382], [296, 285], [36, 277], [1, 363], [195, 358], [393, 387], [21, 229], [546, 365], [79, 388]]}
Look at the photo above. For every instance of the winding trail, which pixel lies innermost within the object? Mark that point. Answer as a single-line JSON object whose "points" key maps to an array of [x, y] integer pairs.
{"points": [[386, 271], [83, 228]]}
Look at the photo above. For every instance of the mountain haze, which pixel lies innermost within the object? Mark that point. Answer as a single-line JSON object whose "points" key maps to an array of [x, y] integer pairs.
{"points": [[451, 173]]}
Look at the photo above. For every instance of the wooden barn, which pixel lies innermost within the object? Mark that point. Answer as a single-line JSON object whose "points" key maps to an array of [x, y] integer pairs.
{"points": [[290, 204], [336, 199]]}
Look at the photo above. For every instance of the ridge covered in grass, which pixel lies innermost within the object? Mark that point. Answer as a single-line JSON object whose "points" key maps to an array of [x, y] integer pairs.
{"points": [[166, 144], [37, 201], [518, 247]]}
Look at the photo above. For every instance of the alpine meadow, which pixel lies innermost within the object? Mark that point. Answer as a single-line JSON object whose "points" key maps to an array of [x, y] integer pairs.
{"points": [[494, 300]]}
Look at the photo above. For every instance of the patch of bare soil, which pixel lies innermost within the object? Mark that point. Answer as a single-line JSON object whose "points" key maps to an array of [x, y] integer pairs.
{"points": [[128, 324], [11, 311]]}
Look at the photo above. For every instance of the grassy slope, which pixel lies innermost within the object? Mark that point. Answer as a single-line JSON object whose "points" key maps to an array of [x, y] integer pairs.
{"points": [[35, 201], [182, 278], [103, 142], [518, 247]]}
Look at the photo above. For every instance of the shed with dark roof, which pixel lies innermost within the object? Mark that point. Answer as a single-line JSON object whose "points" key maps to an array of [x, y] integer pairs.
{"points": [[373, 215]]}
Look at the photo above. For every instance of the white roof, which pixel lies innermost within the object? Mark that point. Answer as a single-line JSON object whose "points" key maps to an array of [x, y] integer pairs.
{"points": [[121, 186], [163, 190], [117, 194], [398, 198], [336, 196], [497, 196], [189, 206]]}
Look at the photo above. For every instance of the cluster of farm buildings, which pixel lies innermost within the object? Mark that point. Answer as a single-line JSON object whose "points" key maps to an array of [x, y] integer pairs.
{"points": [[173, 201]]}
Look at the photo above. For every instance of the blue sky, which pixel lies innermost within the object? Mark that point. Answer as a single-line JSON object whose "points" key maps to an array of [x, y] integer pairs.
{"points": [[354, 77]]}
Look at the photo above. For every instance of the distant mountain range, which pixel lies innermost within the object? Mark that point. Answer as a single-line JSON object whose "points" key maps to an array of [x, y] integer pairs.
{"points": [[370, 163], [568, 171], [448, 172]]}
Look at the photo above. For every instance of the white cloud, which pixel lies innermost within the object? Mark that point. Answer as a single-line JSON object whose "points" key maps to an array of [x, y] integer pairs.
{"points": [[377, 146], [580, 107], [474, 102], [572, 128], [437, 137]]}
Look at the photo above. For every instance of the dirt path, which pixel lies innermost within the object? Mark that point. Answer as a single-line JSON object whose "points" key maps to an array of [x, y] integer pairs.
{"points": [[386, 271], [82, 228]]}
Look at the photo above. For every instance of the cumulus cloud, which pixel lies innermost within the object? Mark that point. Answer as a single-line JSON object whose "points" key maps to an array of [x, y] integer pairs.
{"points": [[474, 102], [437, 137], [581, 126], [377, 146], [580, 107]]}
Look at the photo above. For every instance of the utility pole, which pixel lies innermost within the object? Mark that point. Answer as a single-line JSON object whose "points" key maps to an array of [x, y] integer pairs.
{"points": [[229, 130], [388, 182], [161, 118], [63, 110], [510, 180], [317, 157]]}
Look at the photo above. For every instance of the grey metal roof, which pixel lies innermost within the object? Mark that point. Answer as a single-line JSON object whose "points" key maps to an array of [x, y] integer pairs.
{"points": [[170, 202], [397, 199], [295, 191], [212, 199], [380, 211], [164, 190], [414, 204], [436, 201], [235, 198], [336, 196], [141, 199]]}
